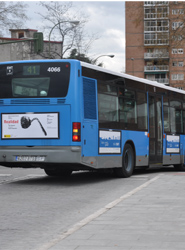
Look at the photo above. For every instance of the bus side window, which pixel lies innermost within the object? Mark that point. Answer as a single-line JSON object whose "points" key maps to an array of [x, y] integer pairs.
{"points": [[176, 117], [127, 107], [166, 115], [128, 112], [166, 111], [108, 108], [141, 111], [178, 121]]}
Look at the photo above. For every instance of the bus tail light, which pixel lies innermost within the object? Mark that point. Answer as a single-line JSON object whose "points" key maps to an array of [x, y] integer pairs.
{"points": [[76, 131]]}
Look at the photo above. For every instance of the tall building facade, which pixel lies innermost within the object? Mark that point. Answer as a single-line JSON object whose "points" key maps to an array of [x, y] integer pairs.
{"points": [[155, 41]]}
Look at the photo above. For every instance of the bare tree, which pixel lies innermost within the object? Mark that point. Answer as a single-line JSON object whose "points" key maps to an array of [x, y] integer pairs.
{"points": [[61, 22], [12, 15]]}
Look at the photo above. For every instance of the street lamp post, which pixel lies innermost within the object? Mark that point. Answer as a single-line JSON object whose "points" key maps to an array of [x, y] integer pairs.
{"points": [[111, 56], [72, 22]]}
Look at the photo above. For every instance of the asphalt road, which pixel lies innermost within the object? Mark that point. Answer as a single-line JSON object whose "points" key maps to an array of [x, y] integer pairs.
{"points": [[36, 208]]}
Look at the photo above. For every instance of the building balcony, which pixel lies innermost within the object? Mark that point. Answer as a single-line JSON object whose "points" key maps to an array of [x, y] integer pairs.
{"points": [[156, 3], [156, 16], [159, 80], [156, 42], [156, 68], [156, 55], [163, 81], [156, 29]]}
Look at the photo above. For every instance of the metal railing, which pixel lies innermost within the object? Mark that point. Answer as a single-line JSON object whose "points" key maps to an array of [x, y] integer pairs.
{"points": [[156, 68], [156, 15], [157, 28], [156, 55], [156, 41], [156, 3], [160, 80]]}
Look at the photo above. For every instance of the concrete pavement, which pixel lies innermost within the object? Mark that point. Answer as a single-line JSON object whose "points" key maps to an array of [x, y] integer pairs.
{"points": [[150, 217]]}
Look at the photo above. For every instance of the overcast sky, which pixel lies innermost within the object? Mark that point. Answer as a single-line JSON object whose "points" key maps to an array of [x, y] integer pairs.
{"points": [[107, 18]]}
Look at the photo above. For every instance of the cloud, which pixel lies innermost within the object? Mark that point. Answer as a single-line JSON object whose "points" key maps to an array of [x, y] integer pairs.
{"points": [[108, 20], [105, 18]]}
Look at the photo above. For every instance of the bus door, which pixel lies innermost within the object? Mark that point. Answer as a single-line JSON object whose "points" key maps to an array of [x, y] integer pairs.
{"points": [[155, 130]]}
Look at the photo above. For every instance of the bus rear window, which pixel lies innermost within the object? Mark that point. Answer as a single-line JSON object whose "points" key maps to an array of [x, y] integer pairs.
{"points": [[33, 87], [34, 80]]}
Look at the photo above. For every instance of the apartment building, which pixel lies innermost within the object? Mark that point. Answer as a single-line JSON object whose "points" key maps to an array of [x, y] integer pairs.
{"points": [[155, 41]]}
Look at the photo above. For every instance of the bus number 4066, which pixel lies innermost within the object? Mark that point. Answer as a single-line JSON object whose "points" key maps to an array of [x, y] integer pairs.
{"points": [[53, 69]]}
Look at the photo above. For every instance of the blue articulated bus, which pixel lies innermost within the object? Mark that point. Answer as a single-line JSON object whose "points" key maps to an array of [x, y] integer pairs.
{"points": [[66, 115]]}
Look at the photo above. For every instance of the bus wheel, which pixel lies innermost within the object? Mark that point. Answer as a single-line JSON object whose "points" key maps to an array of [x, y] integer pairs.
{"points": [[58, 172], [127, 163], [179, 167]]}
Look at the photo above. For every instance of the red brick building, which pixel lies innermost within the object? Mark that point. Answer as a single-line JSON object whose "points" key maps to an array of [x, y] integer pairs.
{"points": [[155, 46]]}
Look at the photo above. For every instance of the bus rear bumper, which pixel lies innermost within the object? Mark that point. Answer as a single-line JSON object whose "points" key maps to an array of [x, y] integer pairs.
{"points": [[39, 156]]}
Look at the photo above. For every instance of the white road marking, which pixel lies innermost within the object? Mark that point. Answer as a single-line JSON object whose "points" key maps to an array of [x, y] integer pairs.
{"points": [[95, 215]]}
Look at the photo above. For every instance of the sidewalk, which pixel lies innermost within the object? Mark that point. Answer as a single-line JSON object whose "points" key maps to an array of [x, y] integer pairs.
{"points": [[151, 217]]}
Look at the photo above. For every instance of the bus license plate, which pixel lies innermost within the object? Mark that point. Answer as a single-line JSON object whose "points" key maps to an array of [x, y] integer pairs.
{"points": [[30, 158]]}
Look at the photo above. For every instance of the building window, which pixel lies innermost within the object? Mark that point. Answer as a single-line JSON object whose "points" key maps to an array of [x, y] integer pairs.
{"points": [[180, 51], [174, 64], [181, 11], [176, 25], [174, 51], [181, 76], [174, 12], [181, 64], [177, 38], [156, 38], [177, 51], [176, 77], [20, 34], [177, 11]]}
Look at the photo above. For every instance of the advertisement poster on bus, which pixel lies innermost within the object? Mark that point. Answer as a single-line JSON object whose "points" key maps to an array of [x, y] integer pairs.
{"points": [[109, 142], [30, 126], [173, 144]]}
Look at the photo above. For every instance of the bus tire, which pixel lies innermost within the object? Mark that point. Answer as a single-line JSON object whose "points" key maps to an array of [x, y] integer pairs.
{"points": [[127, 163], [179, 167], [58, 173]]}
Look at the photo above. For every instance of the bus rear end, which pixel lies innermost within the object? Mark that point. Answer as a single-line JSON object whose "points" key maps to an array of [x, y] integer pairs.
{"points": [[40, 114]]}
